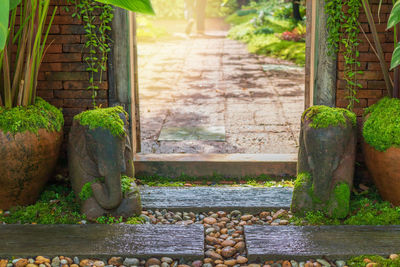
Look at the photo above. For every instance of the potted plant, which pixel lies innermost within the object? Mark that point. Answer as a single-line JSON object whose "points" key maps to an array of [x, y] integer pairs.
{"points": [[381, 129], [30, 128]]}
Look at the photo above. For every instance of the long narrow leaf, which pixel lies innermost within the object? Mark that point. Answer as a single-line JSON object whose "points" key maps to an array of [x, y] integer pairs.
{"points": [[4, 15]]}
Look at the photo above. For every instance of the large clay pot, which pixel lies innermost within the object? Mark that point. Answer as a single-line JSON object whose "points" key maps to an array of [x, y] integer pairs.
{"points": [[27, 160], [384, 168]]}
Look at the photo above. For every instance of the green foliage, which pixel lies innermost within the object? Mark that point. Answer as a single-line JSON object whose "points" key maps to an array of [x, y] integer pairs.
{"points": [[41, 115], [324, 116], [126, 183], [106, 118], [365, 209], [97, 38], [271, 45], [382, 127], [140, 6], [394, 19], [260, 25], [343, 30], [340, 204], [379, 260], [146, 31], [56, 206], [108, 220]]}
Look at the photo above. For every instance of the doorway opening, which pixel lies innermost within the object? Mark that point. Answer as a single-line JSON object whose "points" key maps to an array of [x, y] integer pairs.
{"points": [[205, 100]]}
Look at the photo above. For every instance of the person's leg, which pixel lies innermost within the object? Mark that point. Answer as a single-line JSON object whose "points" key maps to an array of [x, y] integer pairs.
{"points": [[189, 15], [201, 15]]}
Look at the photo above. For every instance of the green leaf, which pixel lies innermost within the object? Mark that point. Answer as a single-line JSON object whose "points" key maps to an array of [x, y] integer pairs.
{"points": [[14, 4], [140, 6], [394, 15], [395, 58], [4, 14]]}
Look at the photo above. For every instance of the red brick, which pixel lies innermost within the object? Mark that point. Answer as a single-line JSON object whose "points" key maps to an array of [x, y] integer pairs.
{"points": [[67, 76], [75, 85], [64, 39], [66, 66], [82, 94], [63, 57], [49, 85]]}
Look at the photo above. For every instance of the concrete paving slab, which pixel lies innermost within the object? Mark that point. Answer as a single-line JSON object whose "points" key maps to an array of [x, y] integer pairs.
{"points": [[335, 242], [103, 241], [246, 199], [207, 133]]}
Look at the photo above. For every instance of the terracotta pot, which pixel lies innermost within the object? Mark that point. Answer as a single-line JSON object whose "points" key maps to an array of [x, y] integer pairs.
{"points": [[27, 161], [384, 168]]}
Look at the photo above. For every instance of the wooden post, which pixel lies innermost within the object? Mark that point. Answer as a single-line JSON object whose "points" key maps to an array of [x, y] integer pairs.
{"points": [[122, 70]]}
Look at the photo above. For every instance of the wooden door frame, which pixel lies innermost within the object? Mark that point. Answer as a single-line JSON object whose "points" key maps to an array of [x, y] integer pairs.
{"points": [[320, 89]]}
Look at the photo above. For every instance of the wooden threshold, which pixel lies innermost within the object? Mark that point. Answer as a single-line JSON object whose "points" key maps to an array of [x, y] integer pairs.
{"points": [[206, 165]]}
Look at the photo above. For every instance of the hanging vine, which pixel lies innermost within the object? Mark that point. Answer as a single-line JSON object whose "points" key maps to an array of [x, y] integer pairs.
{"points": [[343, 30], [96, 19]]}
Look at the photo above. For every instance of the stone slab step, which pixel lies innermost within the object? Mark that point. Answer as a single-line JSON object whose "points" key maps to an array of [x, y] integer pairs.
{"points": [[335, 242], [103, 241], [207, 165], [203, 198]]}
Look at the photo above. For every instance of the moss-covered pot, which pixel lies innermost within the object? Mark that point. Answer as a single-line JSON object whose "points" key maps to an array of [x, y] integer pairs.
{"points": [[30, 141], [381, 147]]}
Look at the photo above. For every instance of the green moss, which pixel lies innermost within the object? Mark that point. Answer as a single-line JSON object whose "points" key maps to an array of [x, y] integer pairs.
{"points": [[365, 209], [87, 191], [340, 202], [382, 127], [56, 206], [324, 116], [302, 180], [379, 260], [41, 115], [106, 118]]}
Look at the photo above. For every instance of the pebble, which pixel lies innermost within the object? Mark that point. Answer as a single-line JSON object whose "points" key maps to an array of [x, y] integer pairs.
{"points": [[152, 261], [246, 217], [323, 262], [3, 263], [371, 264], [254, 265], [164, 264], [210, 220], [241, 260], [228, 252], [197, 263], [228, 243], [21, 263], [230, 262], [86, 262], [240, 246], [340, 263], [294, 263], [167, 260], [56, 262], [213, 255], [131, 262], [31, 265], [64, 262], [76, 260], [286, 264], [207, 265], [41, 259]]}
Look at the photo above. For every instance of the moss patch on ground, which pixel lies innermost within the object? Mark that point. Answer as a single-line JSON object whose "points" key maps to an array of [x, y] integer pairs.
{"points": [[366, 208], [56, 205], [382, 127], [324, 116], [41, 115], [106, 118], [363, 260]]}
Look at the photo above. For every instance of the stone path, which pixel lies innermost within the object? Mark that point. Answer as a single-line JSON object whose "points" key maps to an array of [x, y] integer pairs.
{"points": [[335, 242], [197, 199], [209, 95], [103, 241]]}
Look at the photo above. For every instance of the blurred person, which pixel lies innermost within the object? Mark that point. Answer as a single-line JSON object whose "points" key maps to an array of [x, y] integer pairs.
{"points": [[189, 15], [201, 15]]}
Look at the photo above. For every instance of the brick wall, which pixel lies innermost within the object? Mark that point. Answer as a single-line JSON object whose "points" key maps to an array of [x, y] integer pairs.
{"points": [[62, 78], [372, 78]]}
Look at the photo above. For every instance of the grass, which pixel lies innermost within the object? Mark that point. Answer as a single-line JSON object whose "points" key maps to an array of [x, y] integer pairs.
{"points": [[366, 208], [215, 180], [261, 34]]}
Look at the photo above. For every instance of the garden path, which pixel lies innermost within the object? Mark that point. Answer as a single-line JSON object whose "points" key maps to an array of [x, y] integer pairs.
{"points": [[210, 95]]}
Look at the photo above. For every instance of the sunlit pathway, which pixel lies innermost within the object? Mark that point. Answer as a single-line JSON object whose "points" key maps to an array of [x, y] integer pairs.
{"points": [[211, 89]]}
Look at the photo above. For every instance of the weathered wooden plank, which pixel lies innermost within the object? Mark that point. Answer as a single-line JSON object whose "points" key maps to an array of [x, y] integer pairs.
{"points": [[335, 242], [227, 165], [247, 199], [103, 241]]}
